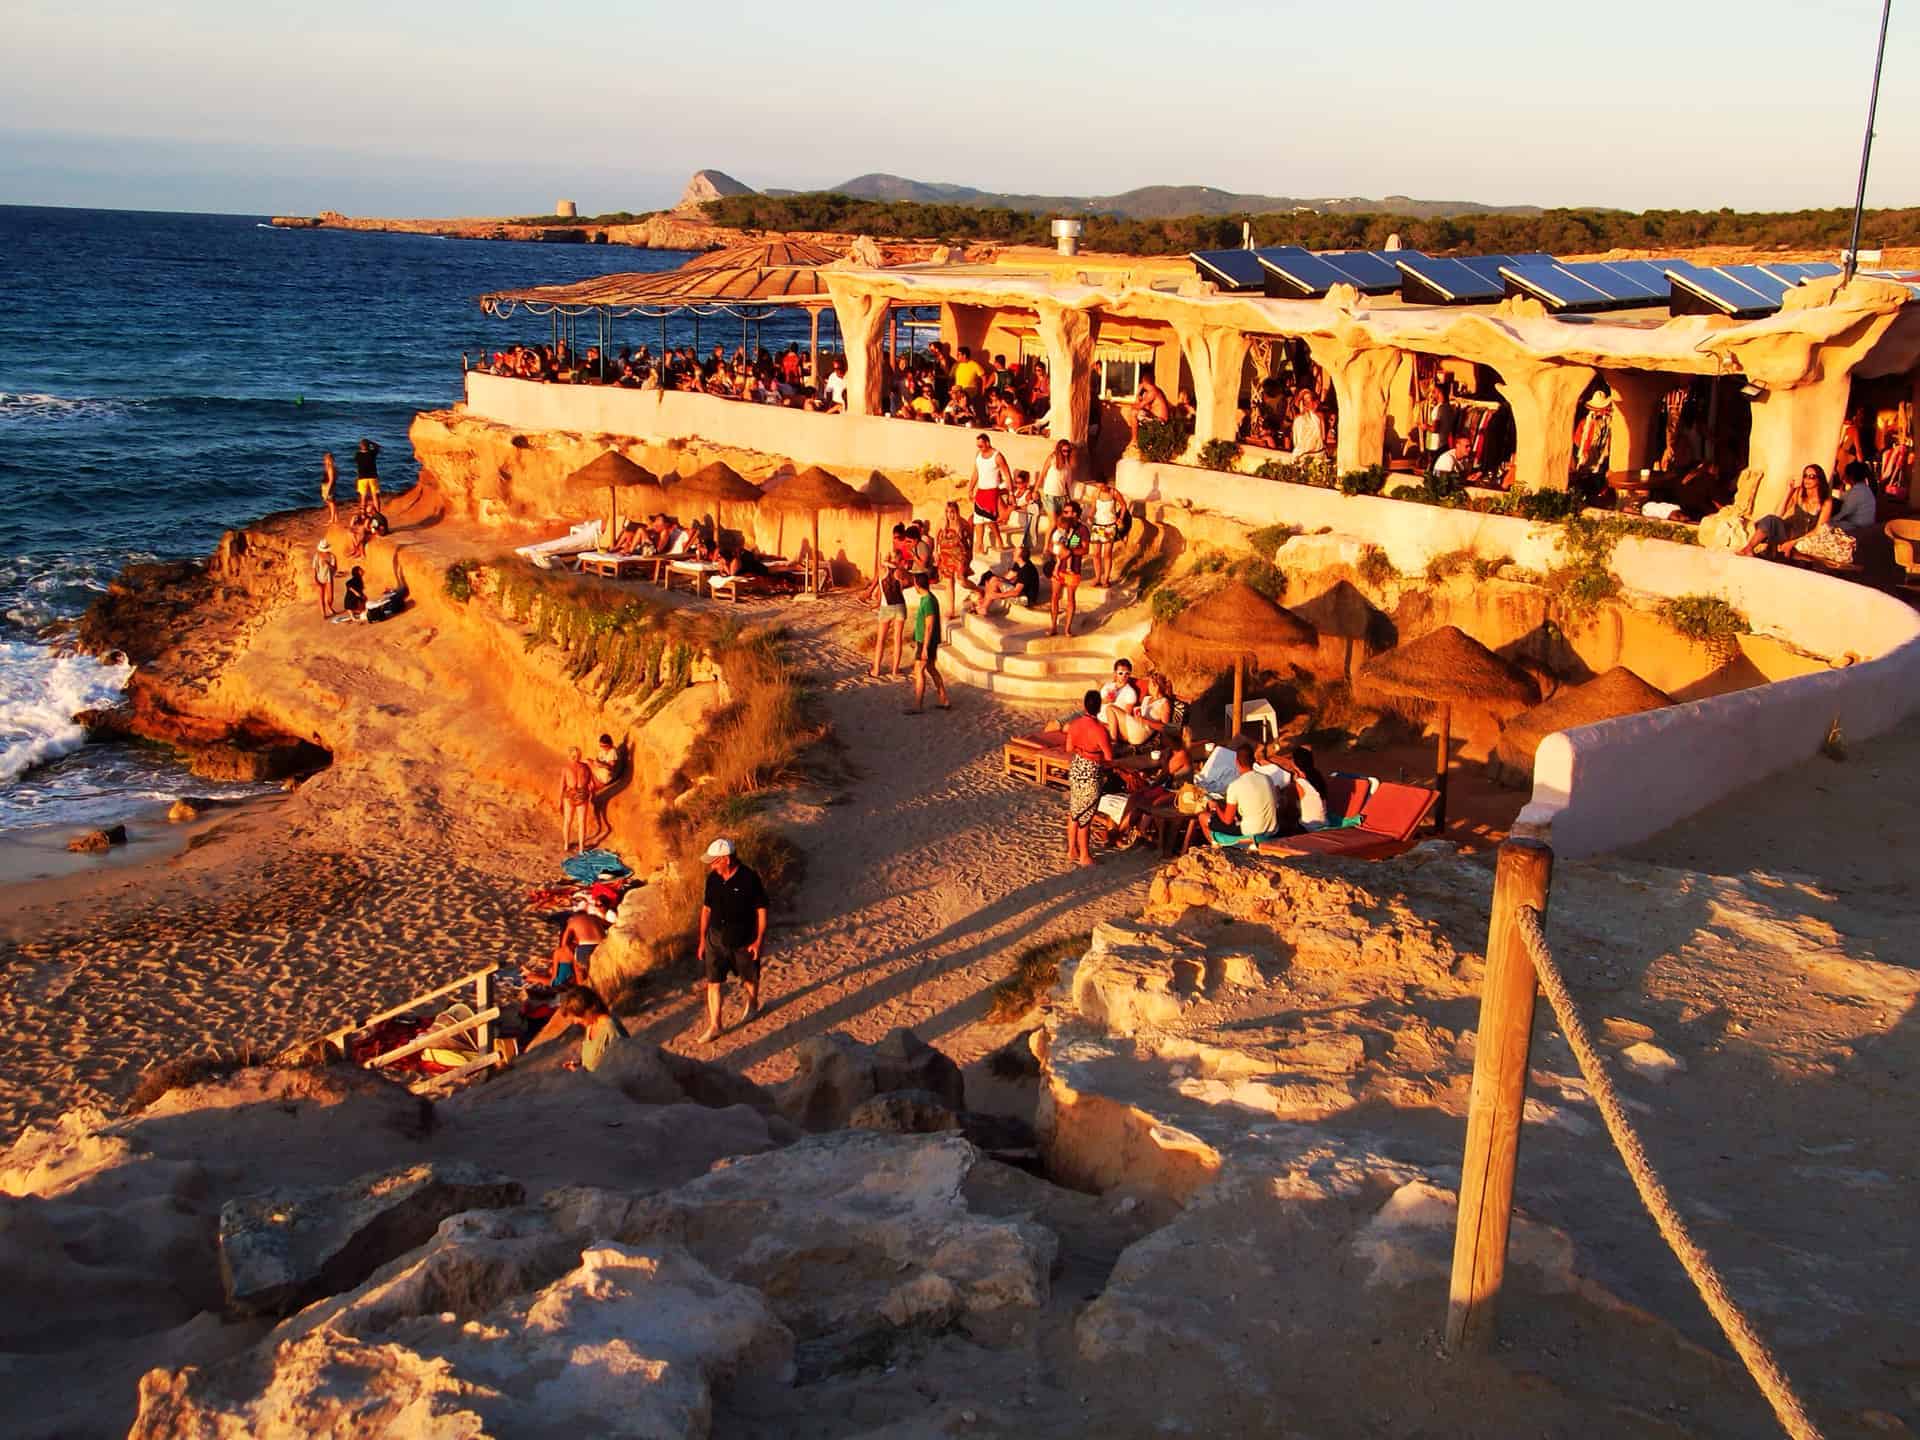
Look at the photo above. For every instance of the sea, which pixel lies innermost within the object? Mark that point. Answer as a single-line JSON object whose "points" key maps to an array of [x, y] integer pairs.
{"points": [[165, 377]]}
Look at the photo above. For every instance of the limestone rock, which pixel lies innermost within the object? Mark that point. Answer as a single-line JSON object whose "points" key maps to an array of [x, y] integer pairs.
{"points": [[836, 1074], [706, 185], [1650, 1061], [1137, 977], [184, 809], [282, 1249], [497, 1329], [98, 842], [840, 1231], [904, 1112]]}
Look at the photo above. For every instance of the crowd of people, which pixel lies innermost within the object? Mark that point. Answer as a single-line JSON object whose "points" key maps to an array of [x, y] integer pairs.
{"points": [[762, 378]]}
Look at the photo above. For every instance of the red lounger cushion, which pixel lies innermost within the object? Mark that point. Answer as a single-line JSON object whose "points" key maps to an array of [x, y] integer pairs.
{"points": [[1396, 811], [1345, 794]]}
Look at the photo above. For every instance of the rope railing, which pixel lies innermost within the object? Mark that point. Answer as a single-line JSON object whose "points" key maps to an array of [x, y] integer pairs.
{"points": [[1519, 964], [1753, 1351]]}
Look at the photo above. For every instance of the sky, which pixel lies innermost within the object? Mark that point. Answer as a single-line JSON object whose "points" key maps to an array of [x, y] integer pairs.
{"points": [[428, 108]]}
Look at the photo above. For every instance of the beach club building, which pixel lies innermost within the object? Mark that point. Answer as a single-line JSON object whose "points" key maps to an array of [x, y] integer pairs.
{"points": [[1771, 365]]}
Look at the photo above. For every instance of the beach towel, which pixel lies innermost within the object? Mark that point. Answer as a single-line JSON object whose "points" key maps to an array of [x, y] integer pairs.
{"points": [[581, 537], [1219, 772], [588, 866]]}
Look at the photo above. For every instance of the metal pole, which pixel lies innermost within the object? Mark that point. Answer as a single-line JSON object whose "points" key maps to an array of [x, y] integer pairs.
{"points": [[1866, 147]]}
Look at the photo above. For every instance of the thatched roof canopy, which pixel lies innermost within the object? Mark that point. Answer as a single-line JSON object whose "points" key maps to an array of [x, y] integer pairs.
{"points": [[1448, 667], [611, 468], [883, 494], [1234, 621], [777, 253], [814, 489], [717, 481], [1618, 692]]}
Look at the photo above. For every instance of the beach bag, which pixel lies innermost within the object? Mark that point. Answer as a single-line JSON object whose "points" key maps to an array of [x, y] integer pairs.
{"points": [[1191, 800], [1827, 545]]}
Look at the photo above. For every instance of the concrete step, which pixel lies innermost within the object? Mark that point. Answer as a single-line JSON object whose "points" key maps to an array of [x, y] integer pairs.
{"points": [[1024, 631], [1065, 692], [1081, 665]]}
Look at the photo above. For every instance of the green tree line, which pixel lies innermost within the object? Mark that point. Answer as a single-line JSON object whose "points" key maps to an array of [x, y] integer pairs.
{"points": [[1561, 232]]}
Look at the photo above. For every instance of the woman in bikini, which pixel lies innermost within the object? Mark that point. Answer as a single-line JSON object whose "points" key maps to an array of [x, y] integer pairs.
{"points": [[329, 477]]}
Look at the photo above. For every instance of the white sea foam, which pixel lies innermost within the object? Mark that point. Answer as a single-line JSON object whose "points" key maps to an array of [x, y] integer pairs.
{"points": [[40, 692], [32, 408]]}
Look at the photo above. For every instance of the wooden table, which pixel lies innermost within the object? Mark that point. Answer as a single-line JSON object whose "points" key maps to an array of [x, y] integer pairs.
{"points": [[1166, 825], [1628, 487]]}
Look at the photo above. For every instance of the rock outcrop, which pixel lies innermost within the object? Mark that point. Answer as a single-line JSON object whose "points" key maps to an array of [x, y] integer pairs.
{"points": [[708, 185], [282, 1249], [837, 1074], [98, 842]]}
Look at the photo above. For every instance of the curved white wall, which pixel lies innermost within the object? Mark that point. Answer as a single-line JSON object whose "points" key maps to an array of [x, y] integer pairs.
{"points": [[1599, 787]]}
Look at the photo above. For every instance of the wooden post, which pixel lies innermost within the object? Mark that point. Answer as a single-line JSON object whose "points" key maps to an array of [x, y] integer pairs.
{"points": [[1442, 763], [1499, 1096], [613, 517], [1239, 695], [813, 348], [483, 1002], [814, 564]]}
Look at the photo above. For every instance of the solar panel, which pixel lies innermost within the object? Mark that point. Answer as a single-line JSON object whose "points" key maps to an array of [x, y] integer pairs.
{"points": [[1372, 270], [1797, 273], [1487, 267], [1230, 269], [1300, 276], [1554, 286], [1756, 278], [1429, 281], [1621, 289], [1697, 290], [1651, 273]]}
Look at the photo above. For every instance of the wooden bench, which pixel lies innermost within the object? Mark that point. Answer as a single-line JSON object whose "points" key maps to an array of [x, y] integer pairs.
{"points": [[1037, 759], [336, 1043]]}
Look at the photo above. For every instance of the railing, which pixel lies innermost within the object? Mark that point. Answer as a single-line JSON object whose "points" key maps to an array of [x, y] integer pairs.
{"points": [[476, 1028], [1517, 956]]}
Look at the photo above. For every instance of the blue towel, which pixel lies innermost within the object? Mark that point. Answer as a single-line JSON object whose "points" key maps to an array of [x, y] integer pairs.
{"points": [[588, 867]]}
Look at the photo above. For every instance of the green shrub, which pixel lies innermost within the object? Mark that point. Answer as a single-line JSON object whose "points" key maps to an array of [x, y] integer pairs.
{"points": [[459, 581], [1546, 504], [1314, 470], [1219, 454], [1374, 567], [1166, 604], [1161, 441], [1268, 539], [1706, 620], [1370, 481], [1262, 575], [1450, 563]]}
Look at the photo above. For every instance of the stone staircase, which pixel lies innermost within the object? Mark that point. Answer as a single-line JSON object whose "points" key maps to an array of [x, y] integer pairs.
{"points": [[1012, 655]]}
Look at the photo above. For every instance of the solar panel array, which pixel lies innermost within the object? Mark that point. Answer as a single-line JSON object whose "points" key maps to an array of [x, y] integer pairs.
{"points": [[1564, 287]]}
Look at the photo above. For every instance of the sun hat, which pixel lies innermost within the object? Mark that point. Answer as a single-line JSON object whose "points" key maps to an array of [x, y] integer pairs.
{"points": [[323, 545], [720, 849]]}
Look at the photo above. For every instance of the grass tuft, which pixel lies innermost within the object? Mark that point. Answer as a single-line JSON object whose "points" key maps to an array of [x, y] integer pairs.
{"points": [[1036, 970]]}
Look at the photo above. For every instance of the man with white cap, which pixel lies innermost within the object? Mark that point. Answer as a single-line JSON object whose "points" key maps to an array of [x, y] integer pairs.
{"points": [[733, 927], [324, 569]]}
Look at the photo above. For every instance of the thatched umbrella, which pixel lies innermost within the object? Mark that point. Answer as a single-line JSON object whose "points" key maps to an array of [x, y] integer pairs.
{"points": [[616, 472], [1448, 667], [882, 495], [812, 491], [1236, 625], [719, 481], [1618, 692]]}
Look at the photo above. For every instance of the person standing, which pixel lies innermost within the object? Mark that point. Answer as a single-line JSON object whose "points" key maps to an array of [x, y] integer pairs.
{"points": [[953, 548], [892, 598], [733, 932], [366, 470], [329, 477], [325, 567], [1056, 483], [1089, 750], [1069, 544], [1309, 435], [992, 477], [576, 792], [926, 644]]}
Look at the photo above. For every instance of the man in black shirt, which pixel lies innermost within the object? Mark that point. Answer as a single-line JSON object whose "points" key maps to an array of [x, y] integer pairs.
{"points": [[733, 927]]}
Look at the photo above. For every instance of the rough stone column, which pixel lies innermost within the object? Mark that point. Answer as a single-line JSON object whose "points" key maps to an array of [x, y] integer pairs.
{"points": [[1636, 405], [1068, 338], [1361, 377], [1793, 427], [1545, 400], [863, 328], [1215, 355]]}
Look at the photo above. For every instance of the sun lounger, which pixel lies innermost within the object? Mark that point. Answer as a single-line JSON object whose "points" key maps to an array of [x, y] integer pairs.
{"points": [[614, 567], [1389, 818], [1038, 759], [783, 577], [581, 538]]}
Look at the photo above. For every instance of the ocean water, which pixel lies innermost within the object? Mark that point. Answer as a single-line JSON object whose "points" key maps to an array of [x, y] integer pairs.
{"points": [[166, 377]]}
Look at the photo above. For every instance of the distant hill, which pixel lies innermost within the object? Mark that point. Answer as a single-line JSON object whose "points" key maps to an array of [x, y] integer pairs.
{"points": [[708, 185], [1159, 202]]}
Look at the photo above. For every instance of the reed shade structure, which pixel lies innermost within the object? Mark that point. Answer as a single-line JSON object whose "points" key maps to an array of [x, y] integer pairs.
{"points": [[882, 496], [616, 472], [1448, 667], [811, 491], [1617, 692], [790, 253], [719, 482], [1236, 625]]}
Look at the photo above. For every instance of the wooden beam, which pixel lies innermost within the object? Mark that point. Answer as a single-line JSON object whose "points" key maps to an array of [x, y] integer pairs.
{"points": [[434, 1037], [334, 1037], [447, 1079], [1498, 1100]]}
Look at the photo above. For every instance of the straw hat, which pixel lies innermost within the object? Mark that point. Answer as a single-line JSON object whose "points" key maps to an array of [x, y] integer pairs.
{"points": [[1448, 667], [1618, 692]]}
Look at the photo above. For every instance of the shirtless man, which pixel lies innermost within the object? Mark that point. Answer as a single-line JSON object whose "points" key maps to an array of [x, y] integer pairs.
{"points": [[1150, 404], [576, 790], [566, 965]]}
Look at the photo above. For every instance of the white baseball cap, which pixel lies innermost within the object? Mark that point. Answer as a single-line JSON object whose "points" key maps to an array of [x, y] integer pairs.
{"points": [[720, 849]]}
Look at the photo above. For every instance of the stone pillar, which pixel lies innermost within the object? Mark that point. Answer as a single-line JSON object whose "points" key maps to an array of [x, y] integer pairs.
{"points": [[1216, 355], [1545, 400], [863, 328], [1360, 376], [1403, 406], [1068, 338], [1793, 427], [1636, 406]]}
